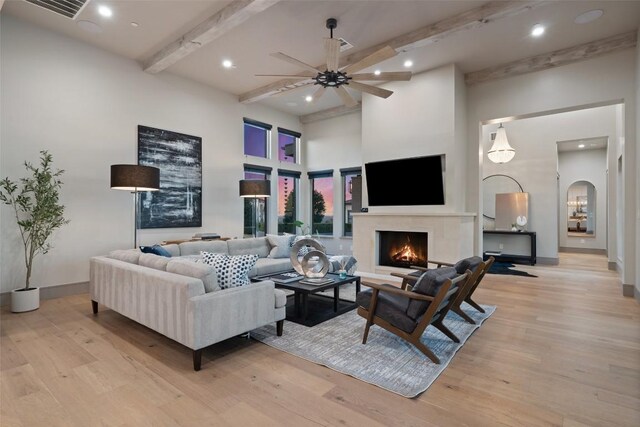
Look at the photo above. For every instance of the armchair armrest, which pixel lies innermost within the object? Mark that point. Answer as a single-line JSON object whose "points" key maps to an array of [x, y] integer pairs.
{"points": [[397, 291]]}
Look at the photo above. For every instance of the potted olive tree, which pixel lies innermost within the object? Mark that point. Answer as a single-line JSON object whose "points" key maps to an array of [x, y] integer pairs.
{"points": [[38, 213]]}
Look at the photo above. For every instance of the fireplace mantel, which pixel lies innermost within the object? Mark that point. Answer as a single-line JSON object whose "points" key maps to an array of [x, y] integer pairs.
{"points": [[450, 236]]}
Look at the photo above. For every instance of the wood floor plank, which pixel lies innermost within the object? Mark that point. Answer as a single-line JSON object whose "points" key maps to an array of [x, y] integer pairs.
{"points": [[562, 349]]}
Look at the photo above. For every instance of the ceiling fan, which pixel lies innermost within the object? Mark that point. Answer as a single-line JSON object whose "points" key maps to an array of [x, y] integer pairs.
{"points": [[339, 78]]}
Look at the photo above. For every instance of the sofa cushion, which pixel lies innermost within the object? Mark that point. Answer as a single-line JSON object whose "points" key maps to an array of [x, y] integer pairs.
{"points": [[281, 298], [269, 266], [157, 262], [253, 246], [127, 255], [338, 262], [280, 245], [194, 248], [204, 272], [173, 249], [156, 250], [232, 269], [429, 284], [390, 307]]}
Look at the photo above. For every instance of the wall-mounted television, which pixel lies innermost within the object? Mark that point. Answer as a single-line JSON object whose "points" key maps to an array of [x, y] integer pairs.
{"points": [[415, 181]]}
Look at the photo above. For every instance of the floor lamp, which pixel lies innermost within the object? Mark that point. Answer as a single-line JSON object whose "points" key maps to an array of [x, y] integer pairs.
{"points": [[256, 189], [135, 178]]}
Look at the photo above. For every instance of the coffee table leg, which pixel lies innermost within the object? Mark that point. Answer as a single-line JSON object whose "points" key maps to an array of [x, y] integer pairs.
{"points": [[296, 304], [336, 298], [357, 285], [305, 306]]}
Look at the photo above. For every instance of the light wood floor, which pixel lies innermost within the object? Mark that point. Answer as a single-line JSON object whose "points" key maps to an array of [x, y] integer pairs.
{"points": [[562, 349]]}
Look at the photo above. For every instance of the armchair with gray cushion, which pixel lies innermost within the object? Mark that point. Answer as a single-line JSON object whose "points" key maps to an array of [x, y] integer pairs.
{"points": [[408, 313]]}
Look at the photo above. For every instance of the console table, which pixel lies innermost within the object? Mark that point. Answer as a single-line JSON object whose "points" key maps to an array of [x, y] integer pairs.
{"points": [[531, 258]]}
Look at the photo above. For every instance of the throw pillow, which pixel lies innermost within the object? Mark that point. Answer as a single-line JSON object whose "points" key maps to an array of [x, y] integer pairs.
{"points": [[206, 273], [156, 250], [280, 245], [232, 270]]}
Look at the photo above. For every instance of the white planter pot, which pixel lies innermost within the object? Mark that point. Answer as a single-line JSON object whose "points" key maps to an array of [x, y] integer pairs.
{"points": [[22, 300]]}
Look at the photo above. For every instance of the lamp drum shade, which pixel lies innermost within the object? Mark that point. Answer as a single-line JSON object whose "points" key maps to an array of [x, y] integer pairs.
{"points": [[255, 188], [135, 178]]}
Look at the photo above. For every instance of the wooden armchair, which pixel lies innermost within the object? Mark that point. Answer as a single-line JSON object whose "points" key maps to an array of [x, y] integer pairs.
{"points": [[408, 313], [478, 267]]}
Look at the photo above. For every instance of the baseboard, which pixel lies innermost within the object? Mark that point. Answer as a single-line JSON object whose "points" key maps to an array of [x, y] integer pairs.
{"points": [[583, 251], [547, 260], [629, 290], [51, 292], [613, 266]]}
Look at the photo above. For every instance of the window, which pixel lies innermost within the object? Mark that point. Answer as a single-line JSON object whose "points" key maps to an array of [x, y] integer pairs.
{"points": [[255, 210], [256, 138], [287, 201], [322, 202], [347, 191], [288, 145]]}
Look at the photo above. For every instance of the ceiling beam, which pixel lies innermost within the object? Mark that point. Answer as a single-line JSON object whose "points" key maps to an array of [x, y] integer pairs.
{"points": [[223, 21], [554, 59], [432, 33], [330, 113]]}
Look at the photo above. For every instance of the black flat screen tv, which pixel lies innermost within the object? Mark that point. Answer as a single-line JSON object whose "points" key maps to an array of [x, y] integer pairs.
{"points": [[415, 181]]}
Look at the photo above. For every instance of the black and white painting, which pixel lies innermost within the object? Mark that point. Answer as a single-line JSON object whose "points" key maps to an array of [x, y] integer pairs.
{"points": [[179, 158]]}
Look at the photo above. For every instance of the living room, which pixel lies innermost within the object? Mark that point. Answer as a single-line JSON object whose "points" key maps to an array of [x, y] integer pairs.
{"points": [[83, 95]]}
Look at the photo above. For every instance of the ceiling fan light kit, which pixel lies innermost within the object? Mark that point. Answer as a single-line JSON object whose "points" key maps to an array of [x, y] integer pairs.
{"points": [[333, 76]]}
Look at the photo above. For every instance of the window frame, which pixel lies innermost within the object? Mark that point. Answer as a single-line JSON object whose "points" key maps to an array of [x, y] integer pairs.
{"points": [[286, 173], [259, 125], [344, 173], [323, 174], [296, 142], [266, 171]]}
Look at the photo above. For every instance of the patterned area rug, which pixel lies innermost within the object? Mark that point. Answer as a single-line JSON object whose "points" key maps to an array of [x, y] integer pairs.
{"points": [[385, 361]]}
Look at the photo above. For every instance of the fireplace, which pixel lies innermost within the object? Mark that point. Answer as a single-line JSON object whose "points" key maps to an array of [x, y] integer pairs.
{"points": [[402, 248]]}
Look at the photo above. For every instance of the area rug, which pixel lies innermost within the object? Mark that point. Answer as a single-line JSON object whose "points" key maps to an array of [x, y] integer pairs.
{"points": [[385, 361], [505, 268]]}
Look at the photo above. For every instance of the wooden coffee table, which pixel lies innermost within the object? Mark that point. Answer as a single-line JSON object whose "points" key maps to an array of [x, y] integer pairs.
{"points": [[309, 308]]}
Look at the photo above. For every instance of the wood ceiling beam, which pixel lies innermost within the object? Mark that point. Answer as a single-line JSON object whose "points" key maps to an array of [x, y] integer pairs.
{"points": [[330, 113], [223, 21], [554, 59], [432, 33]]}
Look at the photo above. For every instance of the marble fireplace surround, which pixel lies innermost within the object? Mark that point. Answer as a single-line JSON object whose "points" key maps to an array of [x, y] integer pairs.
{"points": [[450, 237]]}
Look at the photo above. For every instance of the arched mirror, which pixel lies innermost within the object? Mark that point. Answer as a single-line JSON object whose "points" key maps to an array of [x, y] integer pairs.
{"points": [[581, 209], [496, 184]]}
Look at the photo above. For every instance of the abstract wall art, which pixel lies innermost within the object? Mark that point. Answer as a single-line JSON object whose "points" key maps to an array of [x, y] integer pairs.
{"points": [[179, 158]]}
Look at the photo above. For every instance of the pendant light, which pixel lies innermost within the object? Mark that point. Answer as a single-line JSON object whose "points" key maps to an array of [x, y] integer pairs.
{"points": [[501, 151]]}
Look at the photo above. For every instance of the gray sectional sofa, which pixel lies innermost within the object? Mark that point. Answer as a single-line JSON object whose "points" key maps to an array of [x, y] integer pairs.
{"points": [[178, 298]]}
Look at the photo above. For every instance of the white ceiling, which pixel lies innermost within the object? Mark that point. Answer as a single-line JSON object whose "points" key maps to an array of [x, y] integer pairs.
{"points": [[298, 27], [598, 143]]}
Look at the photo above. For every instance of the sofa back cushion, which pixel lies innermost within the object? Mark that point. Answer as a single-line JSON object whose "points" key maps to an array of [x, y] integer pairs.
{"points": [[127, 255], [204, 272], [194, 248], [173, 249], [280, 245], [157, 262], [253, 246]]}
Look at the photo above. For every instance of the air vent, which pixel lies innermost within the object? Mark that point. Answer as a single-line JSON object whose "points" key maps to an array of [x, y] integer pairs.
{"points": [[493, 136], [67, 8], [344, 45]]}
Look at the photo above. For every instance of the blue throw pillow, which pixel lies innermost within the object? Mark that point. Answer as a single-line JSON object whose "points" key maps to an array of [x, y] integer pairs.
{"points": [[156, 250]]}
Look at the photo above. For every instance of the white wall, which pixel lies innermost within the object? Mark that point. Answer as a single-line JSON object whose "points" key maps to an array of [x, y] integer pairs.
{"points": [[591, 166], [423, 117], [535, 164], [84, 105], [607, 79], [333, 144], [638, 167]]}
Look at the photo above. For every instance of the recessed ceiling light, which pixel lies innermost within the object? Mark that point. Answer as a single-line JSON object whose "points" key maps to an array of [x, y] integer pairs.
{"points": [[408, 63], [89, 26], [377, 72], [589, 16], [135, 24], [308, 98], [105, 11], [537, 30], [581, 146], [227, 63]]}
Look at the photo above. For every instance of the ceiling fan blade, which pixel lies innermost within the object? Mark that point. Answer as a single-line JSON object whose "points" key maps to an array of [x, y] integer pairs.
{"points": [[384, 77], [346, 97], [290, 76], [366, 62], [294, 61], [317, 94], [373, 90], [332, 49]]}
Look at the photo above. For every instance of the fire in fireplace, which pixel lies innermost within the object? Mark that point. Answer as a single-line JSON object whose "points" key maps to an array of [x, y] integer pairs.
{"points": [[402, 248]]}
